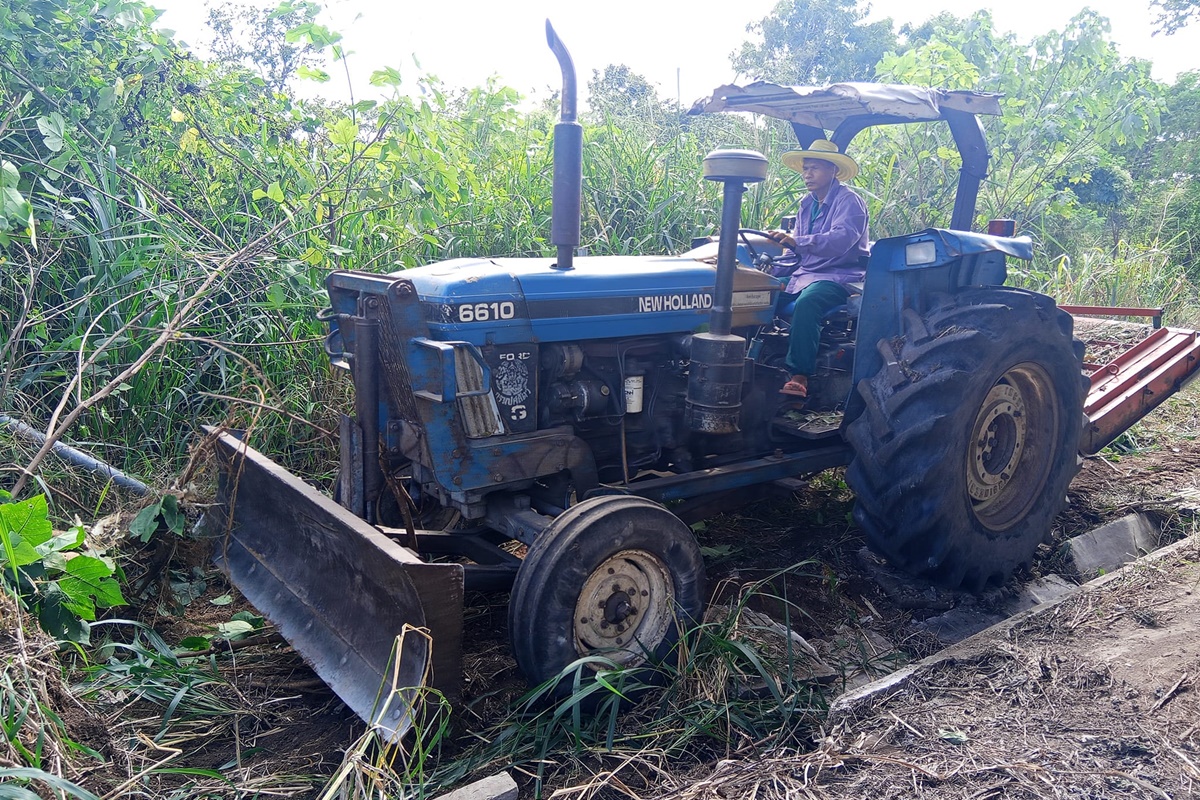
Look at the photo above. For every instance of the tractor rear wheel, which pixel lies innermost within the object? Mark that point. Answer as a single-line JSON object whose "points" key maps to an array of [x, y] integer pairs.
{"points": [[970, 435], [615, 577]]}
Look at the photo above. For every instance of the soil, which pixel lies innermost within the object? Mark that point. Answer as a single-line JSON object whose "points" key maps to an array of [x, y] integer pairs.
{"points": [[1095, 699], [1092, 698]]}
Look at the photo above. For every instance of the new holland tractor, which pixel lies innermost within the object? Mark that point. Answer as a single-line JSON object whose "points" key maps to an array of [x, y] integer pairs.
{"points": [[588, 408]]}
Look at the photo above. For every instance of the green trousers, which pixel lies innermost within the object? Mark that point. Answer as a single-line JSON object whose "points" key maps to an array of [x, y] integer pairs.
{"points": [[813, 302]]}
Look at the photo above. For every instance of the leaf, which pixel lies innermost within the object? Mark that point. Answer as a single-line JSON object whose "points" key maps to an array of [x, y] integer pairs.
{"points": [[311, 33], [389, 76], [953, 735], [275, 192], [250, 617], [10, 176], [172, 515], [91, 576], [195, 643], [24, 526], [344, 133], [177, 115], [68, 540], [235, 629], [189, 142], [276, 296], [185, 591], [58, 620], [61, 785], [54, 130], [145, 523], [718, 551], [223, 600], [312, 74]]}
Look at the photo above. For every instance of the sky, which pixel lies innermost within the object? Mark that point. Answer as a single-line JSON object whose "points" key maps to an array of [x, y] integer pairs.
{"points": [[682, 48]]}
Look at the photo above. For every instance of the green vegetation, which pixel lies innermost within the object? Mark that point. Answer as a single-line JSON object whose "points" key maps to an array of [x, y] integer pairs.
{"points": [[166, 224], [48, 572]]}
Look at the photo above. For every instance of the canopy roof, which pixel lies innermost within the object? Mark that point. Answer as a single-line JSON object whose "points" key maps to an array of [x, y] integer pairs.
{"points": [[827, 107]]}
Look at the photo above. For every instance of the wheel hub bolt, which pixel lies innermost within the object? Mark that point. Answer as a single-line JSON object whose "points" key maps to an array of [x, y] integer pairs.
{"points": [[584, 621], [603, 623]]}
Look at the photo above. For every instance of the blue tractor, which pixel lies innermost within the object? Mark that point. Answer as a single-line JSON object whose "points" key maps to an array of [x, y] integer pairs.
{"points": [[550, 426]]}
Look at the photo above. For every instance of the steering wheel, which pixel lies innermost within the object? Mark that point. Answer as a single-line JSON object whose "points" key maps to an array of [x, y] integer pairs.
{"points": [[760, 262]]}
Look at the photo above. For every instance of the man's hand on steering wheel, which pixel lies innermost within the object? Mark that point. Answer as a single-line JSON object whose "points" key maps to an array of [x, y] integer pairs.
{"points": [[783, 238]]}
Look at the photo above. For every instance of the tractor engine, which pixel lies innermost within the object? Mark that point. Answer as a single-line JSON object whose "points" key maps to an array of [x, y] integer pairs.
{"points": [[482, 359]]}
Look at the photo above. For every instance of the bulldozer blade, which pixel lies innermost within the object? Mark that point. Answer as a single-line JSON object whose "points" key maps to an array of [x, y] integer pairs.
{"points": [[346, 597]]}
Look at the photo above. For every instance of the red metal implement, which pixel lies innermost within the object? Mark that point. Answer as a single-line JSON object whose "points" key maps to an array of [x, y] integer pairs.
{"points": [[1131, 385]]}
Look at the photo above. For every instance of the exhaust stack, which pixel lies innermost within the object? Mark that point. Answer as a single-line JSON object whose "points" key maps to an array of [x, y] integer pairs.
{"points": [[568, 162]]}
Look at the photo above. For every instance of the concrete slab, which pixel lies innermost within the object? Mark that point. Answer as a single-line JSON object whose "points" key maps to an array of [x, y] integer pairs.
{"points": [[1113, 545], [1049, 589], [957, 624], [500, 786], [849, 704]]}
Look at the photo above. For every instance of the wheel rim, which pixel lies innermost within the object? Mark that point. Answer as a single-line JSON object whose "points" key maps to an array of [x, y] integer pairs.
{"points": [[625, 607], [1004, 475]]}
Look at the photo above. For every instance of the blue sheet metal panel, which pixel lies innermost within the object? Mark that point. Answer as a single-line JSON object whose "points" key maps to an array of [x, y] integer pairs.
{"points": [[892, 285], [953, 245], [503, 301]]}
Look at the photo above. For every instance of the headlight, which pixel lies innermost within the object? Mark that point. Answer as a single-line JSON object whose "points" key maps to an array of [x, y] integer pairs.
{"points": [[920, 253]]}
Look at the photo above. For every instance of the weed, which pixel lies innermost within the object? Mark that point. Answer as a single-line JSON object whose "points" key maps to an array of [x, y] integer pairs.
{"points": [[738, 682], [49, 574]]}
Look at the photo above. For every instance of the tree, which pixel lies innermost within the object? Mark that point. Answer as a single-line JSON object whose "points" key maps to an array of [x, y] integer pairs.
{"points": [[619, 93], [257, 39], [815, 41], [1071, 108], [1174, 14]]}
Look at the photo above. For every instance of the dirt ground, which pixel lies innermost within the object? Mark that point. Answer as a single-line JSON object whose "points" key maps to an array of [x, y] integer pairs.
{"points": [[1092, 698]]}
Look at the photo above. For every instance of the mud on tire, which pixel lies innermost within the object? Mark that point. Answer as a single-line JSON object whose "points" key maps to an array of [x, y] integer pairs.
{"points": [[969, 438]]}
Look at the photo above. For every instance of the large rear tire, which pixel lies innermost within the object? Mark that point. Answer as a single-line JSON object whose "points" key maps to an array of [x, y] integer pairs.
{"points": [[970, 436], [614, 576]]}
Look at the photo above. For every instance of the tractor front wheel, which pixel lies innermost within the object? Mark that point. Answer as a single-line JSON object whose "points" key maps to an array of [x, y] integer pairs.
{"points": [[969, 437], [618, 578]]}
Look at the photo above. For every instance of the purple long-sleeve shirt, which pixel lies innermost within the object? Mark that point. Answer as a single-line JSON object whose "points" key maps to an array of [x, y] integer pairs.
{"points": [[830, 247]]}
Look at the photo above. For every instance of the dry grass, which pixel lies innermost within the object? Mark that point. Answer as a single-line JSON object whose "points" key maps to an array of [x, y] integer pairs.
{"points": [[1095, 698]]}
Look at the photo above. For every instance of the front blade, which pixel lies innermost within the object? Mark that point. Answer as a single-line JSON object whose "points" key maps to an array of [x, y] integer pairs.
{"points": [[340, 592]]}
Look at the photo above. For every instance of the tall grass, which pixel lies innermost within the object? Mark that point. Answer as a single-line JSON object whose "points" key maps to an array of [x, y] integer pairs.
{"points": [[1128, 275]]}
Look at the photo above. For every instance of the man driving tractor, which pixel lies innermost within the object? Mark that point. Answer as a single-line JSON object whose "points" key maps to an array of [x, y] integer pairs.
{"points": [[828, 251]]}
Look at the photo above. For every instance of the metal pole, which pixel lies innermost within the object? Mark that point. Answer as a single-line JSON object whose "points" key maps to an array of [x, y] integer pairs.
{"points": [[77, 457]]}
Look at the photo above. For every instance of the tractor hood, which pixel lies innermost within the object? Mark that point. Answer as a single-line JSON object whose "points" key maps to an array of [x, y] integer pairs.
{"points": [[506, 300]]}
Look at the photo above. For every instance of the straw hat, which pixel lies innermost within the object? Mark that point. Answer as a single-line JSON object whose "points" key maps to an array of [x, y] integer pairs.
{"points": [[824, 150]]}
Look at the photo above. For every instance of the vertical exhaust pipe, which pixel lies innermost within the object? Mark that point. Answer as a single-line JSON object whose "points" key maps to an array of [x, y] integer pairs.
{"points": [[568, 162]]}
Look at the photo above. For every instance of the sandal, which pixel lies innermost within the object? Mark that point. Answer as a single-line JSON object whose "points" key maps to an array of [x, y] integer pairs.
{"points": [[794, 389]]}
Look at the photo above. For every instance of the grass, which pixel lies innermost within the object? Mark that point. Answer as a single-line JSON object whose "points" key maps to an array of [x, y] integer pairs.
{"points": [[36, 743], [175, 280], [741, 685], [1131, 275]]}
